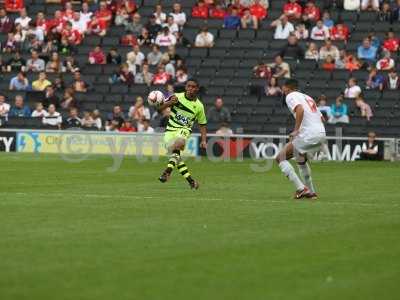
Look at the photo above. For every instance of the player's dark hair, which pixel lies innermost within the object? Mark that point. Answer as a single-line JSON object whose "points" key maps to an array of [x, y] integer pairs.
{"points": [[292, 84], [193, 80]]}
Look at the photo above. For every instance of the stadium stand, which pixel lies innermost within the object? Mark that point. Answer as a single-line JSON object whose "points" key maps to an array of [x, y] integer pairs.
{"points": [[225, 69]]}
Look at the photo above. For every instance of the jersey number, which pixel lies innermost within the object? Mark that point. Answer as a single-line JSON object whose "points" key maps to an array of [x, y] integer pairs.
{"points": [[312, 105]]}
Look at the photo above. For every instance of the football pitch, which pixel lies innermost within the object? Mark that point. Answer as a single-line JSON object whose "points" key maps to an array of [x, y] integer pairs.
{"points": [[77, 231]]}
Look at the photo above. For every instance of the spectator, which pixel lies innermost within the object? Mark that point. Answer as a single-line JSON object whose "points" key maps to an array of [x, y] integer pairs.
{"points": [[160, 16], [19, 82], [232, 20], [200, 10], [292, 49], [165, 38], [323, 107], [340, 62], [339, 112], [182, 41], [121, 17], [386, 63], [204, 39], [217, 12], [370, 149], [73, 36], [366, 51], [73, 121], [181, 75], [11, 44], [280, 69], [139, 56], [272, 88], [70, 65], [351, 5], [35, 64], [329, 64], [311, 13], [219, 113], [117, 116], [135, 27], [144, 39], [162, 76], [248, 21], [88, 121], [23, 19], [41, 83], [301, 32], [172, 26], [79, 85], [123, 76], [339, 32], [4, 107], [283, 28], [365, 108], [178, 14], [154, 57], [292, 9], [53, 118], [145, 127], [54, 65], [392, 80], [39, 111], [97, 119], [97, 56], [104, 15], [352, 63], [312, 52], [385, 15], [19, 109], [97, 27], [113, 57], [320, 32], [129, 40], [328, 22], [153, 27], [139, 112], [68, 100], [352, 90], [391, 43], [258, 10], [127, 126], [224, 130], [328, 50], [374, 80], [262, 71], [372, 5], [50, 97], [6, 24], [145, 76], [396, 12]]}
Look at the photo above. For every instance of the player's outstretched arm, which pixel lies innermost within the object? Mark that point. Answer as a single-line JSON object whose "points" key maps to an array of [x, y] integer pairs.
{"points": [[203, 134]]}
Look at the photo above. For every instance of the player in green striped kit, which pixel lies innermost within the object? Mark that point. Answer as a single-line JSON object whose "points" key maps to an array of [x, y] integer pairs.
{"points": [[186, 108]]}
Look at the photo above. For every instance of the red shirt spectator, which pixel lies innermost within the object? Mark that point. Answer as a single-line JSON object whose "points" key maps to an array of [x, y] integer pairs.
{"points": [[129, 40], [312, 12], [292, 9], [161, 77], [14, 5], [57, 22], [340, 32], [97, 56], [391, 43], [258, 10], [200, 10], [129, 5], [218, 12], [96, 26], [73, 36], [68, 13], [104, 14]]}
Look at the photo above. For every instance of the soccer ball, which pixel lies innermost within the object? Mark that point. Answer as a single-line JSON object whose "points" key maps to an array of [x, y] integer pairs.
{"points": [[155, 98]]}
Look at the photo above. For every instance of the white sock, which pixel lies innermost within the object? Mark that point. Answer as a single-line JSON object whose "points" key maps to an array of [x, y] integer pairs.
{"points": [[290, 173], [305, 172]]}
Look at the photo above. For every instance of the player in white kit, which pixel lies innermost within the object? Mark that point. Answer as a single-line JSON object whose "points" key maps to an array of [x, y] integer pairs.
{"points": [[307, 137]]}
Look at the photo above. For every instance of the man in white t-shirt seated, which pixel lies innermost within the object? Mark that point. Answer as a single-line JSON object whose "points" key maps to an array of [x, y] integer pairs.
{"points": [[352, 90], [351, 4], [204, 39], [165, 38], [145, 127], [4, 107], [53, 118], [283, 28], [320, 32]]}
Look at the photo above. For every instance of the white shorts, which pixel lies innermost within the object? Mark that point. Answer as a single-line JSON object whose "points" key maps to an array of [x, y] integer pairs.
{"points": [[310, 144]]}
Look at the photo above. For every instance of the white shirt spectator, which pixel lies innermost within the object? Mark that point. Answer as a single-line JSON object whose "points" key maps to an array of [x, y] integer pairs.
{"points": [[140, 58], [80, 25], [352, 92], [160, 18], [179, 18], [23, 21], [283, 32], [42, 113], [351, 4], [174, 28], [86, 17], [148, 130], [146, 112], [54, 120], [204, 39], [163, 40], [385, 64], [374, 4], [320, 34], [4, 109], [333, 51]]}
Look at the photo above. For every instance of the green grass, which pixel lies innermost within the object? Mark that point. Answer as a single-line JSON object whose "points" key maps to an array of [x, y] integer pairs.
{"points": [[77, 231]]}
